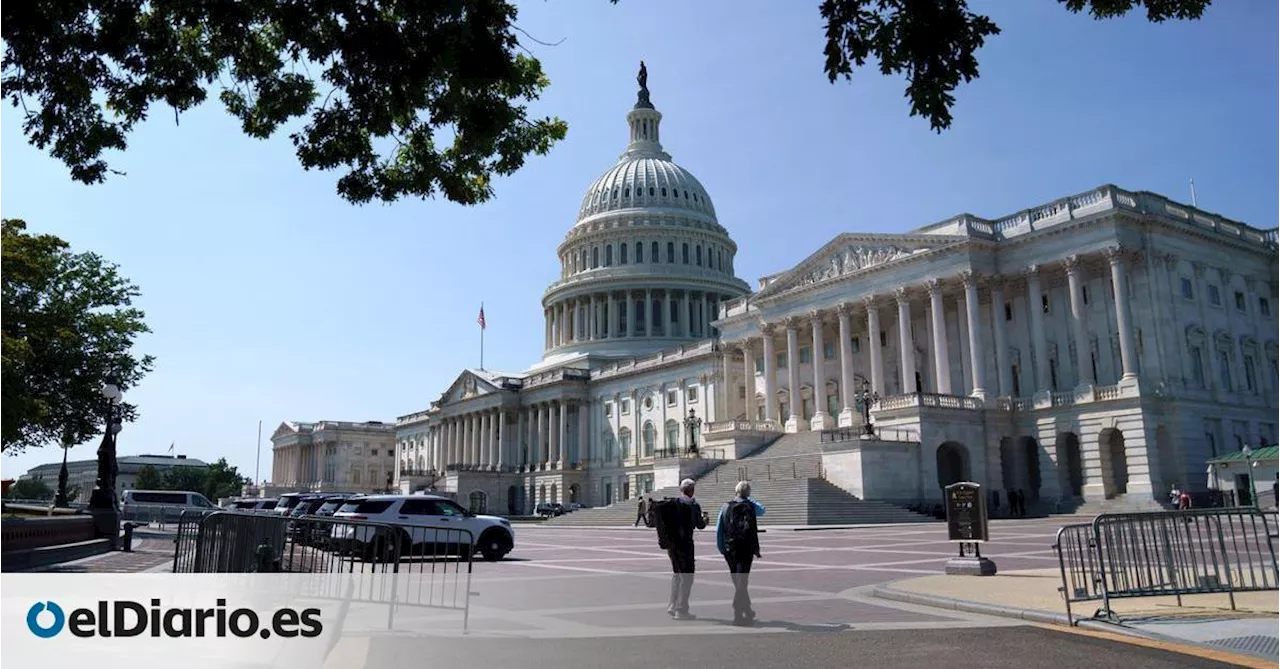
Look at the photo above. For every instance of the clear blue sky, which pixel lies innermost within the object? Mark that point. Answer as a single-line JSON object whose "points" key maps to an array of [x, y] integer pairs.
{"points": [[272, 299]]}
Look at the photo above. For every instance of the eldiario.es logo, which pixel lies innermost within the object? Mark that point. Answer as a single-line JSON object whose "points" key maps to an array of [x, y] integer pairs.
{"points": [[124, 618]]}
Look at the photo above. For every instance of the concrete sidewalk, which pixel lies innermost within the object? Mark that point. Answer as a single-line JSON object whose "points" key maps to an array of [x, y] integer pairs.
{"points": [[1032, 595]]}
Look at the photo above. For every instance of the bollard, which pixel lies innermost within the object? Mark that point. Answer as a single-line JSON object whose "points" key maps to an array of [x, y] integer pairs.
{"points": [[128, 537]]}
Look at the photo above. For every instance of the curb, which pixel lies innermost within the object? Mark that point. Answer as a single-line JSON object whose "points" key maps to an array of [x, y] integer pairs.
{"points": [[1030, 615]]}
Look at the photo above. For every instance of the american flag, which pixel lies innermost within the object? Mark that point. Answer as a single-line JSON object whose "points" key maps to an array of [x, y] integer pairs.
{"points": [[480, 320]]}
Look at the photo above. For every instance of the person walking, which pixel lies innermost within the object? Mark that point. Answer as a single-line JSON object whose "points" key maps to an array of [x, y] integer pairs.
{"points": [[640, 512], [738, 540], [686, 516]]}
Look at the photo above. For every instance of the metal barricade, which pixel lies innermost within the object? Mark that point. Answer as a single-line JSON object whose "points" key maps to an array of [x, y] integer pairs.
{"points": [[428, 566], [1172, 553]]}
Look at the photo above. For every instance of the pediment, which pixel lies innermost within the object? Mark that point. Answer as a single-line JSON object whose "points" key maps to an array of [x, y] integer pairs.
{"points": [[285, 429], [467, 386], [851, 254]]}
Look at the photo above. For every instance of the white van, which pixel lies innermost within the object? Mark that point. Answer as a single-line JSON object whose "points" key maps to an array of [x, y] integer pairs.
{"points": [[162, 505]]}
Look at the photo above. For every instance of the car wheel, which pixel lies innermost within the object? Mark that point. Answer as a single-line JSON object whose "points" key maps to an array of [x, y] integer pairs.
{"points": [[494, 545]]}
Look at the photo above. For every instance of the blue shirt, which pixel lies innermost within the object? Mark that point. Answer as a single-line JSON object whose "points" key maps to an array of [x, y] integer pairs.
{"points": [[722, 521]]}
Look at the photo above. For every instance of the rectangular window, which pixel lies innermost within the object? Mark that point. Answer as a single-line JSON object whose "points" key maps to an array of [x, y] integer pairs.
{"points": [[782, 361], [608, 409], [1187, 290], [626, 407], [1008, 311], [1249, 371], [671, 252], [622, 252], [742, 392], [1215, 296], [691, 395], [1197, 367], [1264, 306], [759, 365], [884, 338], [1240, 303], [1044, 302], [805, 355], [833, 405], [856, 344], [829, 350], [373, 452], [1224, 359], [672, 398]]}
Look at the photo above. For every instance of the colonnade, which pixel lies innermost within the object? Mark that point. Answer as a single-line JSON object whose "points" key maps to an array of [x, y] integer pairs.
{"points": [[535, 437], [906, 299], [671, 313]]}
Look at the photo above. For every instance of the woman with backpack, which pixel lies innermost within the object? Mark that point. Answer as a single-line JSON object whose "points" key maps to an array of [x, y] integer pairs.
{"points": [[738, 539]]}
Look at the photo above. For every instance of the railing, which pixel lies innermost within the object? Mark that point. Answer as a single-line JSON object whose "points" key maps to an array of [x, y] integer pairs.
{"points": [[675, 354], [1173, 553], [1104, 393], [842, 434], [1063, 398], [685, 454], [431, 564], [741, 426], [928, 400]]}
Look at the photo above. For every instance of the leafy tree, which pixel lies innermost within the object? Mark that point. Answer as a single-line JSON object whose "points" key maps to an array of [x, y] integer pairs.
{"points": [[222, 480], [67, 328], [149, 479], [933, 42], [184, 478], [411, 98], [30, 489]]}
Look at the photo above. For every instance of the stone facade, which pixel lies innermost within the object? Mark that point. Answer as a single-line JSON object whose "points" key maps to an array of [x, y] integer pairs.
{"points": [[333, 456], [1098, 348]]}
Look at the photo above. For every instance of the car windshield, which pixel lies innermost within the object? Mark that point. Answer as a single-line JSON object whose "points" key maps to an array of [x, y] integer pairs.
{"points": [[329, 507]]}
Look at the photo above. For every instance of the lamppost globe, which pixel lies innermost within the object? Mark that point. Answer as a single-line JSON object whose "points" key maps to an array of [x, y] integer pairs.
{"points": [[111, 392]]}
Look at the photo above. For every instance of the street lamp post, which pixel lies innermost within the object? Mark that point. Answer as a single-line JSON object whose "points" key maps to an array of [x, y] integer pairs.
{"points": [[102, 503], [60, 499], [691, 425], [1248, 465], [867, 398]]}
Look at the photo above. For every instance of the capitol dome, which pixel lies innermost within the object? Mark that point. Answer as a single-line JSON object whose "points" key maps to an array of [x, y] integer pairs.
{"points": [[646, 264]]}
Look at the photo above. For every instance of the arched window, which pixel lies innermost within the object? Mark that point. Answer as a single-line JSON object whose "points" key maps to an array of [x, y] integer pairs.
{"points": [[656, 310], [671, 252], [664, 192], [685, 251], [582, 266], [626, 192], [622, 250], [639, 316], [653, 252], [595, 257], [720, 259], [639, 252], [698, 251], [673, 437], [650, 436], [624, 441], [650, 191], [608, 255]]}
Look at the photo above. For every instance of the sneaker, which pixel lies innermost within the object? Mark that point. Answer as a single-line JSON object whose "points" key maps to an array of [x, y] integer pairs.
{"points": [[683, 615]]}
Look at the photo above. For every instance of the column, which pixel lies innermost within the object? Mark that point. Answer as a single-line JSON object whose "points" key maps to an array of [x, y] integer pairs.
{"points": [[941, 354], [529, 454], [546, 329], [562, 441], [977, 355], [706, 315], [648, 313], [843, 312], [1038, 348], [544, 436], [500, 453], [821, 418], [685, 325], [793, 375], [904, 342], [485, 421], [749, 378], [1084, 368], [873, 344], [631, 315], [668, 324], [1004, 372], [610, 315], [770, 373], [455, 441], [584, 436], [1116, 256], [469, 441], [730, 390]]}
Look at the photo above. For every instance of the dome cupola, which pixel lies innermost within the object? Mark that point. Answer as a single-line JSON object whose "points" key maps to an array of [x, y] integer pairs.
{"points": [[646, 263]]}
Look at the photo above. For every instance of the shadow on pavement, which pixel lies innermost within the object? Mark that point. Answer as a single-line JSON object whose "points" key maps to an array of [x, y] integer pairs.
{"points": [[786, 625]]}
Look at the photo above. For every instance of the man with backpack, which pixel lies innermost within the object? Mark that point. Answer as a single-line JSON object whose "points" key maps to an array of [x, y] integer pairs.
{"points": [[738, 539], [676, 519]]}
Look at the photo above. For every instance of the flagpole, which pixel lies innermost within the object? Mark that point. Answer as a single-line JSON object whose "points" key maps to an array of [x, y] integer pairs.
{"points": [[257, 465], [482, 336]]}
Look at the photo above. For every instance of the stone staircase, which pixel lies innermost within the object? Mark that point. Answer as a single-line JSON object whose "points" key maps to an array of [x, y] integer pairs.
{"points": [[785, 476]]}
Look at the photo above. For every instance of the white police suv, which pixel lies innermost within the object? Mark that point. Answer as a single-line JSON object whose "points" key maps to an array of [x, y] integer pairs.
{"points": [[423, 525]]}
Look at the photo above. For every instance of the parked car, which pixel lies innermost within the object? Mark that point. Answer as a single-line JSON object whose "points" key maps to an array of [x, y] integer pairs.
{"points": [[425, 522], [287, 501], [258, 504], [162, 505], [549, 509]]}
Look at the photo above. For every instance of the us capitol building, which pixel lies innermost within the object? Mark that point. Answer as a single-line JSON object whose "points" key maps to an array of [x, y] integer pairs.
{"points": [[1093, 350]]}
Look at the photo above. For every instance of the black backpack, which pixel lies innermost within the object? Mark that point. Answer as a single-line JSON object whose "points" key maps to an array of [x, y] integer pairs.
{"points": [[664, 515], [741, 535]]}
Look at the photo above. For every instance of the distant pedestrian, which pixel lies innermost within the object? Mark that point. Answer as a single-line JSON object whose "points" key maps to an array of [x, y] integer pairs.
{"points": [[640, 510], [738, 540], [1184, 501], [680, 518]]}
